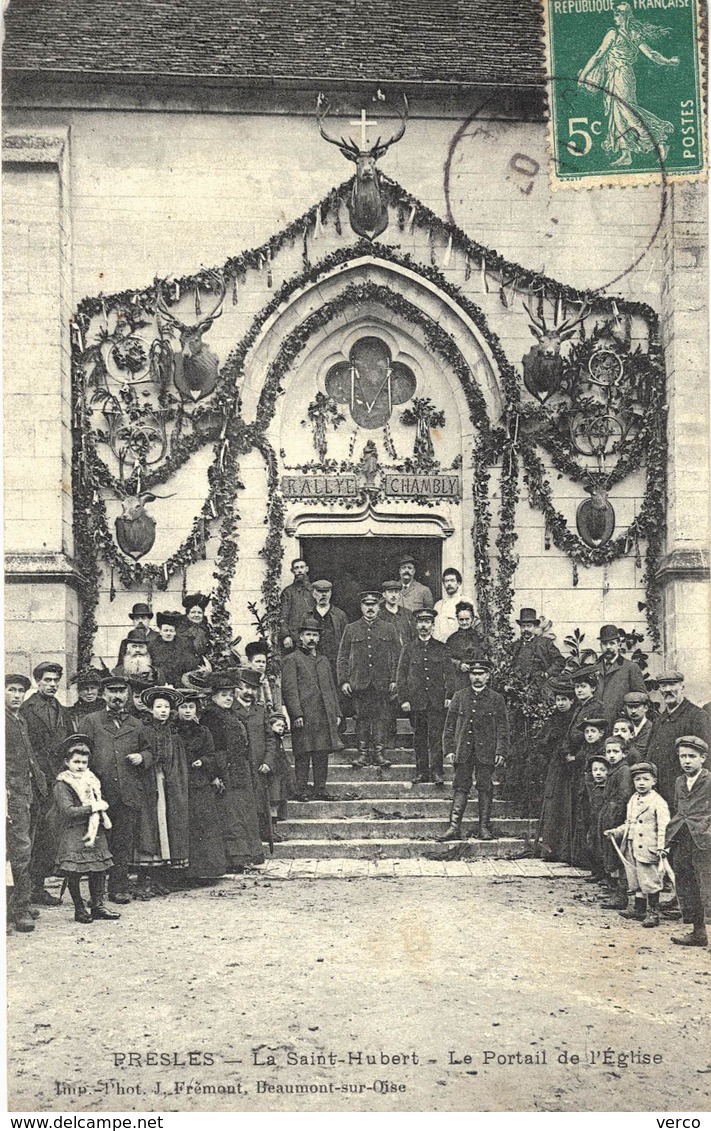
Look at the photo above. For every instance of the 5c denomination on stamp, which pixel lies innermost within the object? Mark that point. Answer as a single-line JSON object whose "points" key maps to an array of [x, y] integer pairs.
{"points": [[625, 87]]}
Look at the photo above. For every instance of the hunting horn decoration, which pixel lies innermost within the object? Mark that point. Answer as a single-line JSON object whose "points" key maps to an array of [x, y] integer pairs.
{"points": [[194, 367], [543, 366], [366, 207]]}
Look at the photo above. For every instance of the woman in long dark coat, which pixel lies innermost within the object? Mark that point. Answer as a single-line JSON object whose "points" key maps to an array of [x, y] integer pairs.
{"points": [[587, 706], [164, 817], [555, 829], [237, 807], [207, 851]]}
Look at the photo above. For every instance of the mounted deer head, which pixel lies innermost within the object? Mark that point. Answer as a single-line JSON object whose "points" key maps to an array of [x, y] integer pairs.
{"points": [[543, 365], [368, 212], [195, 367]]}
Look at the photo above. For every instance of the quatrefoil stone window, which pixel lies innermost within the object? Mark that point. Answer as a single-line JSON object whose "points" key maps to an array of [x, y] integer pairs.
{"points": [[370, 383]]}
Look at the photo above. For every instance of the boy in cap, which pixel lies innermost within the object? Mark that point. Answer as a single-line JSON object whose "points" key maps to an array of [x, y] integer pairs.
{"points": [[26, 789], [413, 595], [637, 711], [367, 673], [48, 724], [688, 839], [642, 839], [618, 790], [311, 698], [617, 676], [424, 690], [476, 740]]}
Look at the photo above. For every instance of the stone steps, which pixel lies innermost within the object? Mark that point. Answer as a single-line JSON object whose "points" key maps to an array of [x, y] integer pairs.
{"points": [[397, 849], [365, 828], [345, 808]]}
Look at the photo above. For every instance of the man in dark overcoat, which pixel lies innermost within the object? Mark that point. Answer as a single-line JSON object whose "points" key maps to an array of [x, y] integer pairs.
{"points": [[26, 787], [535, 658], [367, 671], [424, 688], [121, 761], [392, 613], [466, 641], [262, 742], [311, 698], [636, 709], [616, 675], [48, 724], [476, 740], [688, 838], [332, 622], [680, 717]]}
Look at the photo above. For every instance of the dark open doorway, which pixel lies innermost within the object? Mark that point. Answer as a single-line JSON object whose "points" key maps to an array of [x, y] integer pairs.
{"points": [[353, 564]]}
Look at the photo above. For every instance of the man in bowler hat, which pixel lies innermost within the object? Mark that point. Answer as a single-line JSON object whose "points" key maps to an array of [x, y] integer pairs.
{"points": [[536, 658], [617, 675], [476, 740]]}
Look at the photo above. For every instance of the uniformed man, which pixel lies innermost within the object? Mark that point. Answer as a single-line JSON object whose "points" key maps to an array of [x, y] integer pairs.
{"points": [[414, 595], [297, 602], [26, 789], [392, 612], [424, 689], [88, 684], [331, 621], [476, 740], [367, 671], [48, 724], [536, 658]]}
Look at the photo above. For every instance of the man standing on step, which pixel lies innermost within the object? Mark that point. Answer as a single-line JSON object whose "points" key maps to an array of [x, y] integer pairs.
{"points": [[332, 623], [311, 699], [48, 724], [297, 602], [26, 788], [535, 658], [392, 613], [446, 607], [414, 595], [616, 676], [424, 679], [476, 740], [367, 671]]}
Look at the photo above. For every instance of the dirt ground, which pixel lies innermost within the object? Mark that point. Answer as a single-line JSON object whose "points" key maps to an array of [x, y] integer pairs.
{"points": [[298, 996]]}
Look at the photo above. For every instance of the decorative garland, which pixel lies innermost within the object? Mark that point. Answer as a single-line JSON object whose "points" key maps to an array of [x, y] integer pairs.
{"points": [[222, 423]]}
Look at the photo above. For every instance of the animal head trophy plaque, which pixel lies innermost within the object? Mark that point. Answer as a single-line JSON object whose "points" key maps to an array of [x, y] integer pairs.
{"points": [[543, 367], [194, 368], [367, 210]]}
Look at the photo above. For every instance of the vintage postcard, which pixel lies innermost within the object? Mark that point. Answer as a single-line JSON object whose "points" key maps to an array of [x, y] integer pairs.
{"points": [[356, 527]]}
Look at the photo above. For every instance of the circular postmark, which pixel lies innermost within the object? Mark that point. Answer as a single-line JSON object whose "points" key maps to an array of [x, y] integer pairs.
{"points": [[552, 232]]}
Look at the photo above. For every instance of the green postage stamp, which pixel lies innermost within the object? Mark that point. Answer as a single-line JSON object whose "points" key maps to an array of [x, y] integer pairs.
{"points": [[625, 91]]}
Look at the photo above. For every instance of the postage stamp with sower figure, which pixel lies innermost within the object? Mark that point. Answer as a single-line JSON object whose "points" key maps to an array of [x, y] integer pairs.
{"points": [[625, 85]]}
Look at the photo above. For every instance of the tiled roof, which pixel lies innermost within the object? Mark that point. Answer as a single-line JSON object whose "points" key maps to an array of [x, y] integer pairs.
{"points": [[405, 41]]}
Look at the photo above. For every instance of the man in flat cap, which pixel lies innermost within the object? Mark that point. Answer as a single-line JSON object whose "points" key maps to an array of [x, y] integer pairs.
{"points": [[26, 791], [297, 602], [367, 670], [331, 620], [414, 595], [636, 708], [476, 740], [311, 698], [680, 717], [446, 607], [392, 613], [616, 675], [424, 689], [689, 838], [121, 761], [48, 724], [88, 682], [170, 654]]}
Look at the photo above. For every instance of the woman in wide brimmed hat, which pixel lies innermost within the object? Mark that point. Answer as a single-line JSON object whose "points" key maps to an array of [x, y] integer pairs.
{"points": [[193, 629], [237, 806], [207, 852], [164, 818]]}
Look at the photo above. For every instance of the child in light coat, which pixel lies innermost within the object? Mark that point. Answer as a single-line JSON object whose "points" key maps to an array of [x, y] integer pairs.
{"points": [[641, 840]]}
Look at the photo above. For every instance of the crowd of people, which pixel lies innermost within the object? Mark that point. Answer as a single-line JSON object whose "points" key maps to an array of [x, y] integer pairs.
{"points": [[170, 770]]}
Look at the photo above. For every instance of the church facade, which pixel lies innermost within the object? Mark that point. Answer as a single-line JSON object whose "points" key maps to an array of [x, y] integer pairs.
{"points": [[225, 348]]}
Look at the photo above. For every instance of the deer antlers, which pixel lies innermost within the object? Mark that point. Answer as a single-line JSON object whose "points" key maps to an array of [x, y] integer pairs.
{"points": [[203, 322], [562, 330], [350, 148]]}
